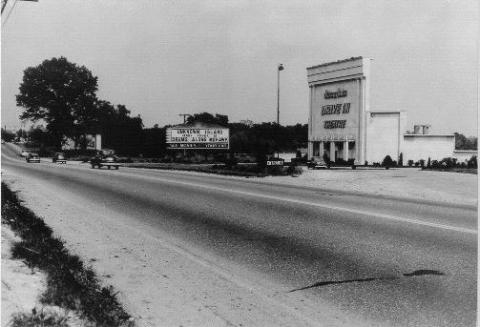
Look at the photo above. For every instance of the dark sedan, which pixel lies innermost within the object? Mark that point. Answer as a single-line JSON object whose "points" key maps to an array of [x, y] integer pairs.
{"points": [[33, 157]]}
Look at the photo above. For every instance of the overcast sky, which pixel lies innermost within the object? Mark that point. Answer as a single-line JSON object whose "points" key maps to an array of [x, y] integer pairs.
{"points": [[163, 58]]}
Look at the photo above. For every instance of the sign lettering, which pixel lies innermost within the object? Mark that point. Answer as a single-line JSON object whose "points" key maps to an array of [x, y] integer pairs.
{"points": [[197, 138], [335, 94], [336, 109], [331, 124], [274, 162]]}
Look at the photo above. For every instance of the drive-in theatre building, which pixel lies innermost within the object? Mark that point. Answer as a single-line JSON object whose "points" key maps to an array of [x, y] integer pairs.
{"points": [[342, 126]]}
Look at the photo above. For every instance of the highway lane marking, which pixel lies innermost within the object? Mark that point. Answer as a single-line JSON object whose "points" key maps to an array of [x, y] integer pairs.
{"points": [[324, 206]]}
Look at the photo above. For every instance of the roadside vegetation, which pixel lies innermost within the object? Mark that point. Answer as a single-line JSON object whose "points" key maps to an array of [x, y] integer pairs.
{"points": [[452, 165], [36, 319], [70, 284]]}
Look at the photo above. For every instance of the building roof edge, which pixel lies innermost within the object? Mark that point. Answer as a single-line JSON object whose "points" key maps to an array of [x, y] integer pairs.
{"points": [[335, 62]]}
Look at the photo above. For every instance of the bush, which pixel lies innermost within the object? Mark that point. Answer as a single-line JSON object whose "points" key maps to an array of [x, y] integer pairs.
{"points": [[448, 162], [294, 170], [39, 318], [231, 161], [472, 162], [410, 163], [326, 159], [387, 162]]}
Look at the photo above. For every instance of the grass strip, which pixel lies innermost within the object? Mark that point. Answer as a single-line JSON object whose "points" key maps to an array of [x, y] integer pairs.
{"points": [[70, 284]]}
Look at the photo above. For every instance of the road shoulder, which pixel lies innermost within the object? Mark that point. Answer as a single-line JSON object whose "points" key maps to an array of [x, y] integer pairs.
{"points": [[159, 280]]}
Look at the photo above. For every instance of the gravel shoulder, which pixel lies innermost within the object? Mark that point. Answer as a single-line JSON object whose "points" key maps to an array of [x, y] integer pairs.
{"points": [[404, 183], [408, 183]]}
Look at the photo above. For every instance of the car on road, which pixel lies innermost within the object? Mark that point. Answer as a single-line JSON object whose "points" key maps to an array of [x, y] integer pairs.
{"points": [[104, 161], [312, 164], [33, 157], [59, 158]]}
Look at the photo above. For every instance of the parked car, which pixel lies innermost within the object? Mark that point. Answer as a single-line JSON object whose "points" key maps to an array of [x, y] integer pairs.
{"points": [[59, 158], [33, 157], [104, 161], [312, 164]]}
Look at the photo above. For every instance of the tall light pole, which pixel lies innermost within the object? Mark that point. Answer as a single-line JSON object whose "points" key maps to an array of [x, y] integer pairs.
{"points": [[280, 68], [184, 117]]}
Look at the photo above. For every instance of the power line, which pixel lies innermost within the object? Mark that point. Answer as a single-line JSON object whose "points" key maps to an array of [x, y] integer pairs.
{"points": [[4, 3], [9, 13]]}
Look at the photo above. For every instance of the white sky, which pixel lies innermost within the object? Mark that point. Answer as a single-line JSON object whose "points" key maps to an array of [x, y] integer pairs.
{"points": [[162, 58]]}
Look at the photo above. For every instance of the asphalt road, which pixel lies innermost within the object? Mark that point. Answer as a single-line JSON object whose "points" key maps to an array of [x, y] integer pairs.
{"points": [[392, 261]]}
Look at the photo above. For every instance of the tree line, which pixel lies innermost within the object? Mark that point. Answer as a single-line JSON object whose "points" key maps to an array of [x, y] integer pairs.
{"points": [[60, 98]]}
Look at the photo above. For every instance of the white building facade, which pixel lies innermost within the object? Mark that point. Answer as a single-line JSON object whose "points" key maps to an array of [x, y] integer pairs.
{"points": [[342, 126]]}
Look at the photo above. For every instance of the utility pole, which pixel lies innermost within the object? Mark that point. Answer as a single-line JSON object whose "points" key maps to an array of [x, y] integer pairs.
{"points": [[184, 117], [184, 121], [280, 68]]}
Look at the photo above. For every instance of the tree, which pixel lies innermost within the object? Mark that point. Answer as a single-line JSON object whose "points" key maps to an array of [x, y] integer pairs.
{"points": [[119, 131], [465, 143], [7, 135], [60, 93], [208, 118]]}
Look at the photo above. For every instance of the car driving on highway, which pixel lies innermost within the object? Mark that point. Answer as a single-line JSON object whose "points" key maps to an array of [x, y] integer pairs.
{"points": [[59, 158], [33, 157], [108, 161]]}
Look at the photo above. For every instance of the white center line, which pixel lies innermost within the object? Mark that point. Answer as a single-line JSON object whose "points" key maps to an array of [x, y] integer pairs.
{"points": [[318, 205]]}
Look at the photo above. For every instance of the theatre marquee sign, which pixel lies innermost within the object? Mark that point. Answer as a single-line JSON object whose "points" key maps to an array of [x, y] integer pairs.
{"points": [[335, 116], [197, 138]]}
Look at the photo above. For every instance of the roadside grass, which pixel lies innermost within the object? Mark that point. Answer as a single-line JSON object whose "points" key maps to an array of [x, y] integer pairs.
{"points": [[70, 284], [243, 170], [42, 318]]}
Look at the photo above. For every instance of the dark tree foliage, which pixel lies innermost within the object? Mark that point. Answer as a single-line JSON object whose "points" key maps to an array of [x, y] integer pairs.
{"points": [[267, 137], [465, 143], [119, 131], [208, 118], [61, 94], [7, 136], [154, 142], [387, 162], [260, 140]]}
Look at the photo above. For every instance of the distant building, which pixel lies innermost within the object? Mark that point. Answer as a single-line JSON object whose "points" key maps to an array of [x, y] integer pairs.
{"points": [[342, 125]]}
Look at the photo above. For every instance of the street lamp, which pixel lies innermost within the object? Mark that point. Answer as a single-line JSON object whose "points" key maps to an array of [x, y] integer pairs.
{"points": [[280, 68]]}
